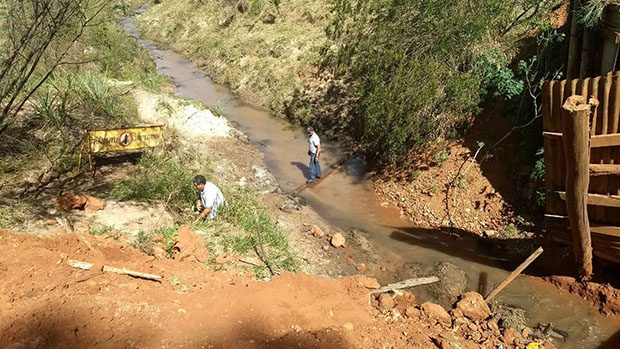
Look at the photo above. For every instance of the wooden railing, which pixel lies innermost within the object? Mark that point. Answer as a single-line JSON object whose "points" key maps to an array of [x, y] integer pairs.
{"points": [[603, 189]]}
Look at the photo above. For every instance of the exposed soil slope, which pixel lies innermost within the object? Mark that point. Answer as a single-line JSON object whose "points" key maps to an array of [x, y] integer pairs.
{"points": [[45, 302]]}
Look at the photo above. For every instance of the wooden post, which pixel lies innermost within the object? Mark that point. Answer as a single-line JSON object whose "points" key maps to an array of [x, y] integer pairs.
{"points": [[576, 141]]}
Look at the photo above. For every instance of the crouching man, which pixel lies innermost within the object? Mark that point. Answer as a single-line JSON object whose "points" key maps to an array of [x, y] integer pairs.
{"points": [[211, 198]]}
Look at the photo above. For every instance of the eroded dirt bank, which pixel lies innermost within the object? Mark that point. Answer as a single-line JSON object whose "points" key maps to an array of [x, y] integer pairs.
{"points": [[46, 303]]}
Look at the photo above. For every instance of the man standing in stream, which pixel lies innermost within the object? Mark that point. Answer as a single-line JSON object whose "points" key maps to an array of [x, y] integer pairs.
{"points": [[211, 198], [314, 151]]}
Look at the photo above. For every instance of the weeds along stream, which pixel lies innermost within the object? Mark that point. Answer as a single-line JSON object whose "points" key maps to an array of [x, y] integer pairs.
{"points": [[346, 200]]}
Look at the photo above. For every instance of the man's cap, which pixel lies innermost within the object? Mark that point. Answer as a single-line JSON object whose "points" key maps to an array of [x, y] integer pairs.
{"points": [[309, 129]]}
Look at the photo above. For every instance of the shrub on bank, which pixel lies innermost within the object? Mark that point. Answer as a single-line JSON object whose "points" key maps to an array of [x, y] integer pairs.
{"points": [[420, 68]]}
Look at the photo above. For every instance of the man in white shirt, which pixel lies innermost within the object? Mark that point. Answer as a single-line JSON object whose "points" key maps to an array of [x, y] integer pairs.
{"points": [[314, 143], [211, 198]]}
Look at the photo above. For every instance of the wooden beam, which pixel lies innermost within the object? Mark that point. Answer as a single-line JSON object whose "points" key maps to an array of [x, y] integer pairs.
{"points": [[604, 169], [552, 135], [406, 283], [596, 199], [557, 221], [608, 140], [576, 130], [514, 274], [598, 141]]}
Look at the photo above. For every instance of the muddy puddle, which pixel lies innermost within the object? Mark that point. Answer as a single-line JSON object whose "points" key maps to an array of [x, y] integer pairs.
{"points": [[346, 200]]}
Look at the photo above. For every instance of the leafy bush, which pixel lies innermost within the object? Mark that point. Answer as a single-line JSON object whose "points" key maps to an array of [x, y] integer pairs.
{"points": [[497, 76], [441, 156], [413, 64], [97, 95]]}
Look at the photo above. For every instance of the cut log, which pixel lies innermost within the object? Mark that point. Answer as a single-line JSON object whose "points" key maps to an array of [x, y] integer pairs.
{"points": [[576, 136], [122, 271], [406, 283]]}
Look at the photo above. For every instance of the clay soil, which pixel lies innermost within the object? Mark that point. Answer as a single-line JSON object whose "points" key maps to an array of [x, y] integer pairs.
{"points": [[46, 303], [604, 297], [477, 206]]}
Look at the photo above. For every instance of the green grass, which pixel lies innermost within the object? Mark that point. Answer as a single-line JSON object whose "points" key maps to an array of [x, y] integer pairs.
{"points": [[235, 230], [163, 177], [262, 62], [168, 178], [106, 231]]}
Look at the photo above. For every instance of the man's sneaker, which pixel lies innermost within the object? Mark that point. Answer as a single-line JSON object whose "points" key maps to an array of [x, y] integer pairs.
{"points": [[309, 181]]}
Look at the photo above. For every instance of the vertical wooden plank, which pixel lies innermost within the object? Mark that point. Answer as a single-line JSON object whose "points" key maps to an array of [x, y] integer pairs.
{"points": [[558, 100], [550, 153], [560, 175], [606, 155], [547, 100], [598, 185], [594, 92], [613, 184], [573, 87]]}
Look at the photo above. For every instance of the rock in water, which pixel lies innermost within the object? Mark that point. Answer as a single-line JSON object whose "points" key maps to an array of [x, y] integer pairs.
{"points": [[338, 240], [453, 282], [473, 306]]}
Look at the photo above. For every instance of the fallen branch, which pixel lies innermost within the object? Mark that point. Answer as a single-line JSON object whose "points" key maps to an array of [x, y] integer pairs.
{"points": [[260, 244], [406, 283], [514, 274], [457, 176], [121, 271]]}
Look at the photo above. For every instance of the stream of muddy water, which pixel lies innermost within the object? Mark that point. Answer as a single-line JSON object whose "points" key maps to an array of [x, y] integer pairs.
{"points": [[346, 200]]}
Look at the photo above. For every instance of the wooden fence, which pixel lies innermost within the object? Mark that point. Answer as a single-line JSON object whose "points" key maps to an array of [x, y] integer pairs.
{"points": [[603, 196]]}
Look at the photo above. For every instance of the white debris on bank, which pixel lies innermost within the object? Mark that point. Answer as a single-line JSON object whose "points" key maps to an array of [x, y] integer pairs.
{"points": [[187, 118]]}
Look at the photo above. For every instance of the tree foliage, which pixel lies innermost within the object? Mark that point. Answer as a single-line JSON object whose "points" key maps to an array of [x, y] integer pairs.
{"points": [[414, 63], [36, 37]]}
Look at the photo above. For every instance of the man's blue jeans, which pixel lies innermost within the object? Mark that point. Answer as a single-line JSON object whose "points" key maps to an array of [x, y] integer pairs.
{"points": [[315, 168]]}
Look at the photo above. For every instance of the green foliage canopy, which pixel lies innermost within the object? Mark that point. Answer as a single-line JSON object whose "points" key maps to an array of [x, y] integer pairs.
{"points": [[413, 64]]}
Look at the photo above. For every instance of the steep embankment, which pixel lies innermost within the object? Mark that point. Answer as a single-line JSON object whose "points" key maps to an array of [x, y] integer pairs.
{"points": [[262, 53], [270, 56]]}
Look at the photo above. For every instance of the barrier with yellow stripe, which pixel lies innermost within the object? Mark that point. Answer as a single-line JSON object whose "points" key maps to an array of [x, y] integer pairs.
{"points": [[120, 139]]}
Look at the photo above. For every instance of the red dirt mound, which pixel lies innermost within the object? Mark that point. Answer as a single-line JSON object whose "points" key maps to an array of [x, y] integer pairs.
{"points": [[46, 303]]}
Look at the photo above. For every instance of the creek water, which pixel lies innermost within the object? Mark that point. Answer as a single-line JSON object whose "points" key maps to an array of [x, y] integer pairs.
{"points": [[346, 200]]}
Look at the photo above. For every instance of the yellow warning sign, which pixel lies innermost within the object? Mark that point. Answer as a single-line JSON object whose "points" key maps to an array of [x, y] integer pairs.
{"points": [[120, 139]]}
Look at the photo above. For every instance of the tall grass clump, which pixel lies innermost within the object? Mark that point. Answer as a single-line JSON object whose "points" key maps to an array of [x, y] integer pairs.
{"points": [[163, 178], [243, 211]]}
